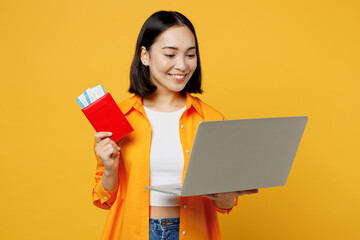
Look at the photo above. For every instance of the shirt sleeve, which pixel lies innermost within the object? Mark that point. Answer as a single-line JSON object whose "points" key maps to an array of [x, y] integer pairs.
{"points": [[101, 197], [227, 211]]}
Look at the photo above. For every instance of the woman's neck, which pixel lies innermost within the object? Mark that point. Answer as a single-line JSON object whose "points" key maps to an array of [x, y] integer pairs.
{"points": [[165, 102]]}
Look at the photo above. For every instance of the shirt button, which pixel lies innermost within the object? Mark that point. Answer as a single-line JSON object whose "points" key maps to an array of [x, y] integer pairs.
{"points": [[187, 151], [105, 197], [184, 206], [182, 126], [183, 232]]}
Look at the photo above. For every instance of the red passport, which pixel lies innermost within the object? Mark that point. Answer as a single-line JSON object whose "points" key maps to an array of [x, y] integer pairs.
{"points": [[105, 116]]}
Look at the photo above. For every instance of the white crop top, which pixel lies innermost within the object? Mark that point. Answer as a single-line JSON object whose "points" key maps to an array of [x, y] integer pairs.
{"points": [[166, 154]]}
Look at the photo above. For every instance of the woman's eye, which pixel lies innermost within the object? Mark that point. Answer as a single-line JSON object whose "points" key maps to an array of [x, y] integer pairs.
{"points": [[191, 55], [170, 55]]}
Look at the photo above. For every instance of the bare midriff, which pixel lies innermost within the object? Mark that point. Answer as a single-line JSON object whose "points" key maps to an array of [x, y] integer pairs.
{"points": [[164, 212]]}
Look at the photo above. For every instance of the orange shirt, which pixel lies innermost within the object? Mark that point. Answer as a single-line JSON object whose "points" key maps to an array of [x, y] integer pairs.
{"points": [[128, 217]]}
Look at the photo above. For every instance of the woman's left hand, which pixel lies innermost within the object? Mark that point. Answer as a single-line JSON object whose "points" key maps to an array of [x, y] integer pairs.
{"points": [[226, 200]]}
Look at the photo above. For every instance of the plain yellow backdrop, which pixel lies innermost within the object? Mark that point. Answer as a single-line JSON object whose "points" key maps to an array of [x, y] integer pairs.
{"points": [[259, 58]]}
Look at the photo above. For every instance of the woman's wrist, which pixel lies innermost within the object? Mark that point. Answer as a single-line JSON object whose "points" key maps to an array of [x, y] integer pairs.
{"points": [[109, 179], [110, 172]]}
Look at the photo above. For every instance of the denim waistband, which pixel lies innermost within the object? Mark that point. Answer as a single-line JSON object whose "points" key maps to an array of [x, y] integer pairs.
{"points": [[164, 223]]}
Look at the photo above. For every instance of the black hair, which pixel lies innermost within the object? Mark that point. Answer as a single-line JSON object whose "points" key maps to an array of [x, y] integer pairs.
{"points": [[157, 23]]}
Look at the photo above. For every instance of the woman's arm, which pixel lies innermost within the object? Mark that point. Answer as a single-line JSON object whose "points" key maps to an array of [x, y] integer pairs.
{"points": [[108, 152], [106, 177], [110, 180]]}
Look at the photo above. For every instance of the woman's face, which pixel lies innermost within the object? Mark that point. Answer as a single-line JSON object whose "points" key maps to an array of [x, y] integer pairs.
{"points": [[171, 59]]}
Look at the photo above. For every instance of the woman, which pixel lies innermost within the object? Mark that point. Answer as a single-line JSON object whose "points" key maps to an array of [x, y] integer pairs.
{"points": [[165, 70]]}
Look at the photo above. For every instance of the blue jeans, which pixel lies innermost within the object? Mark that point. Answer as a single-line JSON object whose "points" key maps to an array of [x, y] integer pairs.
{"points": [[164, 229]]}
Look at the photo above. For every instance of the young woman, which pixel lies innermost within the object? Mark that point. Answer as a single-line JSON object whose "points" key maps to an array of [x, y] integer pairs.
{"points": [[165, 70]]}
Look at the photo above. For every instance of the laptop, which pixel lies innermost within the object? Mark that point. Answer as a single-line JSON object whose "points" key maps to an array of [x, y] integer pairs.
{"points": [[243, 154]]}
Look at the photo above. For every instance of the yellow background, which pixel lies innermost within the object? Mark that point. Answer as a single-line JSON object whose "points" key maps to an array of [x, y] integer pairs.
{"points": [[261, 58]]}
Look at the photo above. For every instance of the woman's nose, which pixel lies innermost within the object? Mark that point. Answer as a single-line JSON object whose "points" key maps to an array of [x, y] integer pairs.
{"points": [[180, 64]]}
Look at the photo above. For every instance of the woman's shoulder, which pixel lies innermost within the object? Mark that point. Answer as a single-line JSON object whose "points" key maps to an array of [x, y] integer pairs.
{"points": [[132, 101], [209, 112]]}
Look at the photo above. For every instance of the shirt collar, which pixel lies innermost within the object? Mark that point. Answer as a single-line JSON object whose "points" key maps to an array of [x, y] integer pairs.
{"points": [[133, 102], [136, 103], [194, 102]]}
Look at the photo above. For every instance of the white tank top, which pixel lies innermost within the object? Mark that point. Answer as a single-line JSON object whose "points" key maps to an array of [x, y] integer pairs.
{"points": [[166, 154]]}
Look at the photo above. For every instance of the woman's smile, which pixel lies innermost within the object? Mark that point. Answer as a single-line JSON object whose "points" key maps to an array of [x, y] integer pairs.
{"points": [[178, 77]]}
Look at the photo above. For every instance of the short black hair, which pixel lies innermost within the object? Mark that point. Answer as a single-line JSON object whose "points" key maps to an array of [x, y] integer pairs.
{"points": [[157, 23]]}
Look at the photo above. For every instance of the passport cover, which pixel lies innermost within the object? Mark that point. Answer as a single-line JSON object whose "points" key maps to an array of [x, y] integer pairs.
{"points": [[105, 116]]}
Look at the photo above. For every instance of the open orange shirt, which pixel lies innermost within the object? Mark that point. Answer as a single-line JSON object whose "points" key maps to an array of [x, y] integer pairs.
{"points": [[128, 217]]}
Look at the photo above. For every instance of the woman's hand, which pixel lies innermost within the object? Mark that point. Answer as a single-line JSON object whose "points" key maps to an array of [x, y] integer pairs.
{"points": [[108, 151], [226, 200]]}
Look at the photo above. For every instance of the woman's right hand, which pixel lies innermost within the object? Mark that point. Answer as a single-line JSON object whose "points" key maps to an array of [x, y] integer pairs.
{"points": [[107, 150]]}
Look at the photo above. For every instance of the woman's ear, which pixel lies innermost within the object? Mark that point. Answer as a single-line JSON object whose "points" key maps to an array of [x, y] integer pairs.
{"points": [[144, 56]]}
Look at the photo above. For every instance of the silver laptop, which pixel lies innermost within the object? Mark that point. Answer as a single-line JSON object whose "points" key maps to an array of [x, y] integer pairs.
{"points": [[235, 155]]}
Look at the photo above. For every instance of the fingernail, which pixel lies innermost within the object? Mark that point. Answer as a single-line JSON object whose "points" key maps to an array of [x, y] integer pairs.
{"points": [[109, 133]]}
